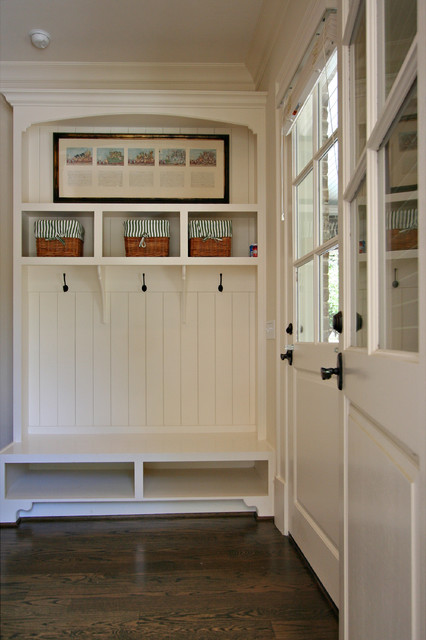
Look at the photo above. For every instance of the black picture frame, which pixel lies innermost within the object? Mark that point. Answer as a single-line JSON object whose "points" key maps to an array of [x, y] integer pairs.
{"points": [[140, 168]]}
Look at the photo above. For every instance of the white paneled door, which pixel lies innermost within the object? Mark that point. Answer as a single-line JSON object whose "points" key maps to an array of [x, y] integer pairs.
{"points": [[308, 340], [384, 324]]}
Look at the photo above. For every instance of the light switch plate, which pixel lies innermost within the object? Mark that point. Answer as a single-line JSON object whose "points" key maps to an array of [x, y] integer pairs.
{"points": [[270, 330]]}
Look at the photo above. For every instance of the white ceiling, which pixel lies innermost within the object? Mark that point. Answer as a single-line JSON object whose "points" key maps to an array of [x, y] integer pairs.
{"points": [[148, 31]]}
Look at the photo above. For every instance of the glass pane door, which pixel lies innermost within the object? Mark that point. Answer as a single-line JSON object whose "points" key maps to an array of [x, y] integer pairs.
{"points": [[316, 198], [399, 322], [400, 29], [359, 337]]}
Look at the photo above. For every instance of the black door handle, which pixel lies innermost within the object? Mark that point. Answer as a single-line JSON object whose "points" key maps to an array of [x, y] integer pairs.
{"points": [[327, 372], [288, 355]]}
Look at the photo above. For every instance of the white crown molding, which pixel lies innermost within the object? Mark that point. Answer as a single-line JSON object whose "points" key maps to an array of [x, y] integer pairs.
{"points": [[132, 75], [31, 106]]}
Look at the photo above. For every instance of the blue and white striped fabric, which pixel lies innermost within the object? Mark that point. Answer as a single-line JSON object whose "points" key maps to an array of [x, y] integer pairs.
{"points": [[210, 229], [402, 219], [59, 228]]}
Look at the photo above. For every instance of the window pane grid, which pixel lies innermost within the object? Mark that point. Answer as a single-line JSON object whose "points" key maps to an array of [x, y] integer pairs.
{"points": [[391, 205], [316, 204]]}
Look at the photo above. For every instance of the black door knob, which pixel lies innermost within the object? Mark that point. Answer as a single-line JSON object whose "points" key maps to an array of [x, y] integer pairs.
{"points": [[327, 372], [288, 355]]}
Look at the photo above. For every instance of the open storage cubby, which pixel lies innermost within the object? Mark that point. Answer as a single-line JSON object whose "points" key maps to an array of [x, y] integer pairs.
{"points": [[244, 227], [70, 481], [113, 227], [191, 480], [86, 218], [131, 400]]}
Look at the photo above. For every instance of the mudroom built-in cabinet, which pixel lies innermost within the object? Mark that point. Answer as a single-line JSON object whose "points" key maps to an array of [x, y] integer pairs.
{"points": [[139, 382]]}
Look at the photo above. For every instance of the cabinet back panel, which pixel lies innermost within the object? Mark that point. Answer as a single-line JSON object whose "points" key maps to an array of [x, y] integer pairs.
{"points": [[162, 359]]}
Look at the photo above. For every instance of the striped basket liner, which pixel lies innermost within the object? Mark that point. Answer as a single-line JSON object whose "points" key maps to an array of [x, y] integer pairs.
{"points": [[210, 229], [59, 237], [146, 237], [402, 219], [401, 229], [210, 238]]}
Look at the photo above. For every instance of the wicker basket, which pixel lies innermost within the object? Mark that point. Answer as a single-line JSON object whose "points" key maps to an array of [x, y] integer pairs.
{"points": [[198, 247], [59, 238], [72, 247], [210, 238], [146, 238], [401, 239], [155, 247], [401, 228]]}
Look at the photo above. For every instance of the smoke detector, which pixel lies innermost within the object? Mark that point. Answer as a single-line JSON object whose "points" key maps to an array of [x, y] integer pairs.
{"points": [[39, 38]]}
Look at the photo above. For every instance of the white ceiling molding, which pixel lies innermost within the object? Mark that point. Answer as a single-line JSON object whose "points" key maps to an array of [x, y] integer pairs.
{"points": [[99, 75]]}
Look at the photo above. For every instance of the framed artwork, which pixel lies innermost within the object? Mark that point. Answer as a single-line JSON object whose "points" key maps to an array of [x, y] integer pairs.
{"points": [[140, 168]]}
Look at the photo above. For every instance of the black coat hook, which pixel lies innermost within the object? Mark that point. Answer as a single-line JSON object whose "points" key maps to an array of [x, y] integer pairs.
{"points": [[220, 287], [144, 287], [395, 283], [65, 287]]}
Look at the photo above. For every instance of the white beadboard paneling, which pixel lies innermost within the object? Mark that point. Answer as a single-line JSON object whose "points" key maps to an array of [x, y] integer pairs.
{"points": [[119, 358], [46, 171], [48, 359], [25, 167], [189, 361], [101, 363], [113, 236], [154, 359], [224, 364], [31, 181], [241, 357], [206, 359], [84, 358], [137, 359], [252, 183], [148, 363], [66, 359], [239, 165], [33, 359], [172, 358], [253, 357]]}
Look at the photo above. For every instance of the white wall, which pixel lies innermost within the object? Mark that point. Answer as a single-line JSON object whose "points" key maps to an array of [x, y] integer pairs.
{"points": [[5, 273]]}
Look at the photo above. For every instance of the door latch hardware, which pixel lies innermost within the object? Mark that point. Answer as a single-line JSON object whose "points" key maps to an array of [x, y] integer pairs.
{"points": [[327, 372], [288, 355]]}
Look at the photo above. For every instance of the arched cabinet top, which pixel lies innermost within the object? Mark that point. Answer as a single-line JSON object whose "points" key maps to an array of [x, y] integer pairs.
{"points": [[227, 107]]}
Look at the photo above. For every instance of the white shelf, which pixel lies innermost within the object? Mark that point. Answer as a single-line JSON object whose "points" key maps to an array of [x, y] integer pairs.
{"points": [[406, 254], [104, 240], [151, 447]]}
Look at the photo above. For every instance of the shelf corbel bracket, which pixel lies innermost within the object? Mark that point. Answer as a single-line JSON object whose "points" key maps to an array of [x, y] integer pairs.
{"points": [[101, 280], [184, 294]]}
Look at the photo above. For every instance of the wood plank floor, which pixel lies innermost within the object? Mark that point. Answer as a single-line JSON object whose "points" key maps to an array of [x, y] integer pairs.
{"points": [[158, 578]]}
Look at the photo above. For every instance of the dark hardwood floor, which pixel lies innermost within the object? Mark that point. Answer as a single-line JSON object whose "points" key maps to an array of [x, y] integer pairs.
{"points": [[158, 578]]}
